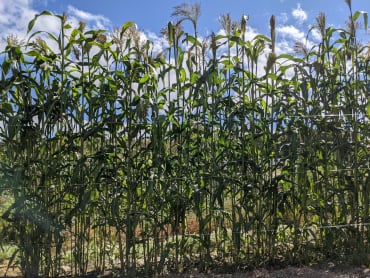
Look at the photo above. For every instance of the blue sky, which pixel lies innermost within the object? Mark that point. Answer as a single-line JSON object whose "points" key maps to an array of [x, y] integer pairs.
{"points": [[294, 17], [152, 15]]}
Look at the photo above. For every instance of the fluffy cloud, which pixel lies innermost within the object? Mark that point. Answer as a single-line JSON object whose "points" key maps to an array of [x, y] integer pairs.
{"points": [[159, 42], [316, 35], [14, 18], [288, 36], [16, 14], [291, 32], [299, 14], [283, 18], [92, 20]]}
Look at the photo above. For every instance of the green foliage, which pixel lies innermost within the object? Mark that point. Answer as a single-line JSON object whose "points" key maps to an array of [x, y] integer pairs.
{"points": [[113, 157]]}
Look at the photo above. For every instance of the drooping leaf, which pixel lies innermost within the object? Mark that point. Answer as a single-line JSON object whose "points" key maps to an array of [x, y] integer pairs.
{"points": [[366, 19], [33, 21], [126, 26]]}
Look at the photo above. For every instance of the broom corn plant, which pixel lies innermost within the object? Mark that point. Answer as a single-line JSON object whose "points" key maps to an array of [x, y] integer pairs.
{"points": [[116, 157]]}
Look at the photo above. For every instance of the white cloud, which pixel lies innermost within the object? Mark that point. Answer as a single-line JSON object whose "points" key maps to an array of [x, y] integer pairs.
{"points": [[159, 42], [14, 18], [290, 32], [92, 20], [289, 35], [16, 14], [282, 18], [284, 47], [316, 35], [299, 14]]}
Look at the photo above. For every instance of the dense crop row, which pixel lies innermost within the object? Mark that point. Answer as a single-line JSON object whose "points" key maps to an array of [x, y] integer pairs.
{"points": [[115, 157]]}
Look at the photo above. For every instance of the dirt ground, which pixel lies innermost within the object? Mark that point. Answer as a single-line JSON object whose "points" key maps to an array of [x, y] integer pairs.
{"points": [[327, 270]]}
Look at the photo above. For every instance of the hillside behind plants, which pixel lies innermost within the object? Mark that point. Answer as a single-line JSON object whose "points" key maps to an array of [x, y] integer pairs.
{"points": [[115, 157]]}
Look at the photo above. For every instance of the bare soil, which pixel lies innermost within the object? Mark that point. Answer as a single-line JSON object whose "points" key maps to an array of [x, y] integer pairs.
{"points": [[327, 270]]}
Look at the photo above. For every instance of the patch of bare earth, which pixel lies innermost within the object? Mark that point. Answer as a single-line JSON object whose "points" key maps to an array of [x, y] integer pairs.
{"points": [[9, 272], [329, 270], [324, 270]]}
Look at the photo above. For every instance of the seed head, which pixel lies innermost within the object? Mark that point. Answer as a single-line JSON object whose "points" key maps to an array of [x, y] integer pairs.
{"points": [[64, 18], [273, 32], [225, 22], [349, 3], [187, 11], [321, 24], [299, 47], [12, 40], [101, 38], [270, 61], [82, 26]]}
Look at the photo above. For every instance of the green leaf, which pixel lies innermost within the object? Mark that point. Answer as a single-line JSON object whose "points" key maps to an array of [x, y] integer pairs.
{"points": [[33, 21], [356, 15], [126, 26], [12, 127], [264, 105], [31, 24], [366, 19], [33, 53], [144, 79], [6, 108], [6, 66], [182, 75], [136, 100], [180, 58], [289, 57], [192, 40], [194, 77], [368, 109]]}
